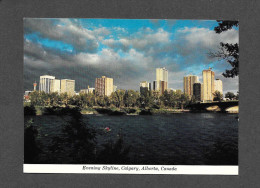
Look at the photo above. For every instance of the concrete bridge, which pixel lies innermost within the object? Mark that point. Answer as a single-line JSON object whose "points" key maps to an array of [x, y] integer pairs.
{"points": [[224, 106]]}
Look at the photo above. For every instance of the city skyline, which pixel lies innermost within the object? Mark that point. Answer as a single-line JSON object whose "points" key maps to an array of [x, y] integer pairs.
{"points": [[104, 86], [126, 50]]}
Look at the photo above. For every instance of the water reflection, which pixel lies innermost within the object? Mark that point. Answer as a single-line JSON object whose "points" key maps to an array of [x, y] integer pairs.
{"points": [[180, 139]]}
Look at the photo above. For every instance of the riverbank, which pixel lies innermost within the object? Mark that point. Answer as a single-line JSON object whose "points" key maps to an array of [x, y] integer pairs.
{"points": [[150, 111], [131, 111], [58, 110], [41, 110]]}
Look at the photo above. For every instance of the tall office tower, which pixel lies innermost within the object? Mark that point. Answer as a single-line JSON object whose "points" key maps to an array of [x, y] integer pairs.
{"points": [[104, 86], [218, 85], [67, 86], [55, 86], [197, 91], [188, 82], [144, 84], [155, 86], [45, 83], [208, 84], [150, 86], [34, 86], [144, 87], [163, 86], [161, 82], [201, 92]]}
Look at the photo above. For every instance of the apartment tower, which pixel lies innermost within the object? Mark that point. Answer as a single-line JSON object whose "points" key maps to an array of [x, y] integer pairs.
{"points": [[55, 86], [104, 86], [197, 91], [161, 82], [208, 84], [45, 83], [67, 86], [188, 82], [144, 87], [218, 85]]}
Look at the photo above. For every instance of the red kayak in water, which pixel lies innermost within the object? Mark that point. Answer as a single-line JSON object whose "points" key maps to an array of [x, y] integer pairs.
{"points": [[107, 129]]}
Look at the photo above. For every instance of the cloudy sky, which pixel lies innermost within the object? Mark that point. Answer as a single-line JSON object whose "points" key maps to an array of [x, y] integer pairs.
{"points": [[127, 50]]}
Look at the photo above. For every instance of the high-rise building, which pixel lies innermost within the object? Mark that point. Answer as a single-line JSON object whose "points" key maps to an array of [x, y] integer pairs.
{"points": [[163, 86], [218, 86], [144, 87], [45, 83], [197, 91], [150, 86], [155, 86], [201, 92], [144, 84], [55, 86], [161, 83], [88, 91], [67, 86], [208, 84], [104, 86], [188, 82]]}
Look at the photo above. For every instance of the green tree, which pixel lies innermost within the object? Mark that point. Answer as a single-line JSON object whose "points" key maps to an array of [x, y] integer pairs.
{"points": [[146, 98], [87, 99], [31, 146], [91, 99], [117, 98], [64, 97], [76, 101], [107, 101], [131, 98], [155, 98], [217, 96], [230, 95], [83, 99], [228, 52], [54, 99], [184, 100], [169, 98], [237, 96], [101, 101], [36, 98], [172, 99]]}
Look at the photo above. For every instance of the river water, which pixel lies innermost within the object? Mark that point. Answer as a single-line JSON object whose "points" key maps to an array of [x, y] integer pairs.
{"points": [[179, 139]]}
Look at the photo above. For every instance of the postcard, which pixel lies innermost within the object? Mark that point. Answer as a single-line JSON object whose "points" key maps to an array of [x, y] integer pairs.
{"points": [[131, 96]]}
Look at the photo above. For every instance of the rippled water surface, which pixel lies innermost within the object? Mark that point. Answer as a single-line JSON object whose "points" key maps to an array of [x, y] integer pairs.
{"points": [[180, 139]]}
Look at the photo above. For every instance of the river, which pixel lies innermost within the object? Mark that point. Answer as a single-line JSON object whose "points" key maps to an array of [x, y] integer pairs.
{"points": [[179, 139]]}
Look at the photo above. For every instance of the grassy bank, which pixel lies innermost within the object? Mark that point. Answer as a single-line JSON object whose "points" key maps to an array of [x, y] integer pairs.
{"points": [[131, 111], [57, 110], [61, 110]]}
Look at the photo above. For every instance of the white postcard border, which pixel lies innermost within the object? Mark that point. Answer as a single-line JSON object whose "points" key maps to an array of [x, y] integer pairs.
{"points": [[131, 169]]}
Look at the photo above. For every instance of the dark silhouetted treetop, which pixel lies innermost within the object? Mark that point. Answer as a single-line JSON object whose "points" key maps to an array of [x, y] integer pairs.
{"points": [[228, 52], [225, 25]]}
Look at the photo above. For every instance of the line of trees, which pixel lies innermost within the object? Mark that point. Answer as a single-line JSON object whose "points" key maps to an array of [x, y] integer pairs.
{"points": [[229, 95], [119, 99]]}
